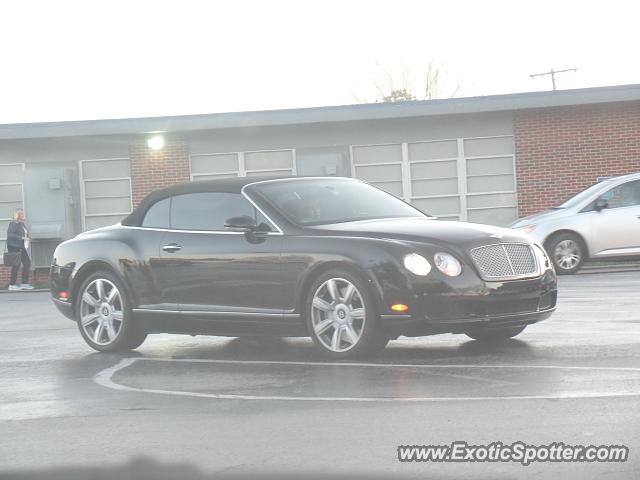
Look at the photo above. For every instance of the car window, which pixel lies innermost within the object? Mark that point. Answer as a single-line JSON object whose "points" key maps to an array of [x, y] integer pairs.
{"points": [[158, 215], [625, 195], [583, 195], [210, 210]]}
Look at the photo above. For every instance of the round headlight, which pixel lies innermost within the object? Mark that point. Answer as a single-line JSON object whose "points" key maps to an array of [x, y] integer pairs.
{"points": [[447, 264], [417, 264]]}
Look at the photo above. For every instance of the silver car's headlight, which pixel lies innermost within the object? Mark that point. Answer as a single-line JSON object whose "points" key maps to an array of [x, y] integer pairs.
{"points": [[526, 228], [417, 264], [447, 264]]}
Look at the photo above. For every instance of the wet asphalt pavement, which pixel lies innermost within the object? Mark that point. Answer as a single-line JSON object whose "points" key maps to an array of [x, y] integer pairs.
{"points": [[246, 406]]}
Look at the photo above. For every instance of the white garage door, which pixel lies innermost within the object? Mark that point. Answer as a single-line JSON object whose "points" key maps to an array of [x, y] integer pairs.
{"points": [[11, 195], [491, 185], [458, 179], [380, 165], [243, 164], [434, 176], [106, 191]]}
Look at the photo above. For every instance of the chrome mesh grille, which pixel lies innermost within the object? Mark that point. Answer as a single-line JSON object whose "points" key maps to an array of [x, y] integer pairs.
{"points": [[503, 261], [521, 258]]}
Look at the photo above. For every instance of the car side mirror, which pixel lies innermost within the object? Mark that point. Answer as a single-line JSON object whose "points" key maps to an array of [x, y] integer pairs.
{"points": [[241, 223], [600, 204]]}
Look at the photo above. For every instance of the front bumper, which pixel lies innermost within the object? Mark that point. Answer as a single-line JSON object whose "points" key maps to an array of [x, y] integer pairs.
{"points": [[455, 305]]}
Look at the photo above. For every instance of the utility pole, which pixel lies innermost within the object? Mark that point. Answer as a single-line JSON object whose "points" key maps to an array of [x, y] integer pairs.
{"points": [[553, 72]]}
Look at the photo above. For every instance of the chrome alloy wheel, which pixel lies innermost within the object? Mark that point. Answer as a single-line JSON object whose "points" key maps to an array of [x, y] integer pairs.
{"points": [[567, 254], [338, 315], [101, 311]]}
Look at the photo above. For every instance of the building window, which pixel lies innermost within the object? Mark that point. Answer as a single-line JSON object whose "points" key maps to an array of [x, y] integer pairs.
{"points": [[380, 165]]}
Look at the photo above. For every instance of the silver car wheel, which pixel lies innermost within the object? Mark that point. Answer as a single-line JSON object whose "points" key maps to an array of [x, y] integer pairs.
{"points": [[567, 254], [101, 311], [338, 315]]}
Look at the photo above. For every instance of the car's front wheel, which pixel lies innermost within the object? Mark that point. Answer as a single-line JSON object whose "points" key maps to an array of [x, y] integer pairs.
{"points": [[494, 334], [341, 316], [567, 253], [104, 315]]}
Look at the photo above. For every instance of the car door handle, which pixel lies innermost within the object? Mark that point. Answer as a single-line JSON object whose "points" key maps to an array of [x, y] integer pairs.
{"points": [[172, 247]]}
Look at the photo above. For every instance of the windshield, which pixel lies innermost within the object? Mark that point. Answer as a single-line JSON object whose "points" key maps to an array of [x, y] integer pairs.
{"points": [[584, 194], [323, 201]]}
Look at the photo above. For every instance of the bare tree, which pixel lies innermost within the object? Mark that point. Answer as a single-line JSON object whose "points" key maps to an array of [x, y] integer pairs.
{"points": [[397, 86]]}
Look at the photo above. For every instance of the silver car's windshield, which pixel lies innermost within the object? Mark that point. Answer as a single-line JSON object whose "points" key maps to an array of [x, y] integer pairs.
{"points": [[584, 194]]}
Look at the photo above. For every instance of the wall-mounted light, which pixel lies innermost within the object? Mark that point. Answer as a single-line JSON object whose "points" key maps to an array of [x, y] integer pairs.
{"points": [[156, 142]]}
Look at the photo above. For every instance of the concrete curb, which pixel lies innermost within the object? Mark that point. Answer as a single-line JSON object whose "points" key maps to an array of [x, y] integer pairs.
{"points": [[608, 269]]}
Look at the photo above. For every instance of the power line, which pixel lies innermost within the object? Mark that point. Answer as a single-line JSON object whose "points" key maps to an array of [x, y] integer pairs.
{"points": [[553, 72]]}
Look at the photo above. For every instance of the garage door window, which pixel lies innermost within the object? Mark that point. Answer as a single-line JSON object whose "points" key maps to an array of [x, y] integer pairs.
{"points": [[106, 191], [211, 166], [458, 179]]}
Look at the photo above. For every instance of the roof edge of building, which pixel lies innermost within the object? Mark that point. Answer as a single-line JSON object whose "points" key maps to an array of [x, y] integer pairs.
{"points": [[340, 113]]}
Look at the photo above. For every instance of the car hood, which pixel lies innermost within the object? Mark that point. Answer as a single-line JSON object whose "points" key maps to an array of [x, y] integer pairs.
{"points": [[539, 217], [439, 232]]}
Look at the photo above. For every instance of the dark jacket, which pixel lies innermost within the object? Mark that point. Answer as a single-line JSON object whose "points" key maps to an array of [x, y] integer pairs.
{"points": [[15, 232]]}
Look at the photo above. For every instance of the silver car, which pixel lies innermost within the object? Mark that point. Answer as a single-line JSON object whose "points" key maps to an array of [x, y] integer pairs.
{"points": [[602, 221]]}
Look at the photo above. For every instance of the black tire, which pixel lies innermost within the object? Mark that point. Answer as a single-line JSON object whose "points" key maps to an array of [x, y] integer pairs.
{"points": [[379, 343], [559, 255], [136, 338], [494, 334], [128, 336], [371, 339]]}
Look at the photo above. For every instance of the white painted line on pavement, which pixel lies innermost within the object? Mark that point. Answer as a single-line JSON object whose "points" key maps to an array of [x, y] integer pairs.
{"points": [[105, 379]]}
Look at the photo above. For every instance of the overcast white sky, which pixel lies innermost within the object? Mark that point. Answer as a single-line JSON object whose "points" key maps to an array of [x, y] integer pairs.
{"points": [[68, 60]]}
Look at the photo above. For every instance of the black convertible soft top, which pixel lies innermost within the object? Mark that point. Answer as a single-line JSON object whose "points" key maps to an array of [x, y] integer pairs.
{"points": [[226, 185]]}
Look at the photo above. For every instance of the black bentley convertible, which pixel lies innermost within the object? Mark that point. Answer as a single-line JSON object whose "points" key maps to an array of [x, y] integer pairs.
{"points": [[332, 258]]}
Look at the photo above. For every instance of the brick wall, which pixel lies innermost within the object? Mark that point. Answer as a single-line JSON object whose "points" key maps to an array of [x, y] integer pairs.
{"points": [[40, 275], [153, 169], [560, 151]]}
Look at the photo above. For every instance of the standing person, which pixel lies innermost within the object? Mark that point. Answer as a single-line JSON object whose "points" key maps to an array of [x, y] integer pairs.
{"points": [[18, 241]]}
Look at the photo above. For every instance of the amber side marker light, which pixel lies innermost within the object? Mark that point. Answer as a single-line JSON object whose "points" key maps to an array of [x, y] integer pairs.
{"points": [[399, 307]]}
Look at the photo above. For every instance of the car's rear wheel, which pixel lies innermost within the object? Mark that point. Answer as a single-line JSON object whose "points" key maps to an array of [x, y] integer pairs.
{"points": [[103, 314], [495, 334], [567, 253], [341, 316]]}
